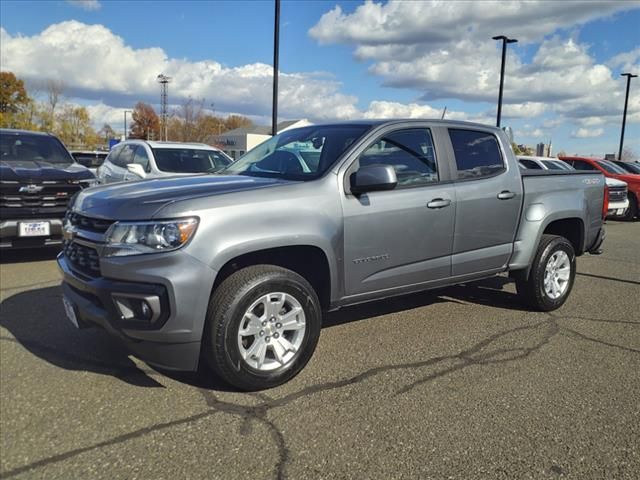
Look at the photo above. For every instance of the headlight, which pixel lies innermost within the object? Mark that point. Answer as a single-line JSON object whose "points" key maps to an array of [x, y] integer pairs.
{"points": [[89, 182], [135, 238]]}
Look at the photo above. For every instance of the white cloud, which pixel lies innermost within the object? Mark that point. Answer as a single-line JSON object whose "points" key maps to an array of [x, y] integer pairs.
{"points": [[120, 74], [444, 50], [437, 23], [532, 133], [90, 5], [586, 133], [626, 61], [382, 109]]}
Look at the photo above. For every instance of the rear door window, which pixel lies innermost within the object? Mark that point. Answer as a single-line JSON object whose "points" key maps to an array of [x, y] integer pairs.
{"points": [[477, 154]]}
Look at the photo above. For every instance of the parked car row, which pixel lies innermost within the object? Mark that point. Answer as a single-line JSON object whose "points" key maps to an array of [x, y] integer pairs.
{"points": [[623, 184], [38, 177]]}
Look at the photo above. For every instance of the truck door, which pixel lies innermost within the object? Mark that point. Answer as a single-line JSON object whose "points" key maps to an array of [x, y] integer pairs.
{"points": [[489, 198], [403, 236]]}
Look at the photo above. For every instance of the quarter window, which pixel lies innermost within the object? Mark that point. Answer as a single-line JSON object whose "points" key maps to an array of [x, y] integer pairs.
{"points": [[477, 154], [411, 154]]}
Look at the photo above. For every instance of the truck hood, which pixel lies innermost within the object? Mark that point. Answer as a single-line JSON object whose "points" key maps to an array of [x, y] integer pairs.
{"points": [[34, 171], [142, 199], [612, 182]]}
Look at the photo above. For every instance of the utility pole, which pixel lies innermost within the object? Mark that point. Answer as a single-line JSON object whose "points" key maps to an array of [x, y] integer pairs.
{"points": [[276, 58], [505, 41], [163, 80], [125, 123], [624, 115]]}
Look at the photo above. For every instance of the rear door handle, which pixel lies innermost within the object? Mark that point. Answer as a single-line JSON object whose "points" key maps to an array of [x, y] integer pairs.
{"points": [[438, 203], [506, 195]]}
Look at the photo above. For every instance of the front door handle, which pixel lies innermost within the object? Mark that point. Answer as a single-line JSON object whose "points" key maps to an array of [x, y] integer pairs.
{"points": [[438, 203], [506, 195]]}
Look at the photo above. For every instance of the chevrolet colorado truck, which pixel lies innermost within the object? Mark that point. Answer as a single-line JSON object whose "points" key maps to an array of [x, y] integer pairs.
{"points": [[234, 269], [38, 177]]}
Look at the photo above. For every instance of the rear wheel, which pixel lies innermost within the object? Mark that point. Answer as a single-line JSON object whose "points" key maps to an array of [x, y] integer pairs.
{"points": [[552, 274], [263, 325]]}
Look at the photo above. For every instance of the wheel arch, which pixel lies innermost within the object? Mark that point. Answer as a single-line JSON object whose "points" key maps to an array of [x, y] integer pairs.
{"points": [[309, 261]]}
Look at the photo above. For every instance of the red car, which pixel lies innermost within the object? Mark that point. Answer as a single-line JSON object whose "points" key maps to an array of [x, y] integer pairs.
{"points": [[611, 170]]}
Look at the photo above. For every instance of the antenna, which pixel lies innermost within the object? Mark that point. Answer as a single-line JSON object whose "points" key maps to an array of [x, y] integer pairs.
{"points": [[444, 112], [163, 80]]}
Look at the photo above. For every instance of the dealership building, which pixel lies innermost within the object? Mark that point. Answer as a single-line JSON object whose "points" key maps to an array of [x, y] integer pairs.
{"points": [[237, 142]]}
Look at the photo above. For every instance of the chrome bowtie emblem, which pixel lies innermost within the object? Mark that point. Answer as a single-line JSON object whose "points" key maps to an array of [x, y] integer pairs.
{"points": [[30, 189]]}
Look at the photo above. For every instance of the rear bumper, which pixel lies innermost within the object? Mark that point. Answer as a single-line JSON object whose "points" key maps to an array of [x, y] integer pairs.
{"points": [[170, 340], [9, 234]]}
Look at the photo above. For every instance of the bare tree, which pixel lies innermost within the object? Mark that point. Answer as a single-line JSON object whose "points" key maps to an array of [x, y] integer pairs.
{"points": [[628, 155], [55, 89]]}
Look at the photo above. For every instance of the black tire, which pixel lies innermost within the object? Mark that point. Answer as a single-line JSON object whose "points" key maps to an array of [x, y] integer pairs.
{"points": [[227, 307], [632, 211], [531, 289]]}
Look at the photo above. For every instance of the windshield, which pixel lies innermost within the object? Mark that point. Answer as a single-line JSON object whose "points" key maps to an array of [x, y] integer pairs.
{"points": [[25, 147], [189, 160], [612, 167], [298, 154]]}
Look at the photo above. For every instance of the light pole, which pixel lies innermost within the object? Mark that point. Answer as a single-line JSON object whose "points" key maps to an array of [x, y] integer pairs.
{"points": [[276, 58], [624, 115], [505, 41], [125, 123]]}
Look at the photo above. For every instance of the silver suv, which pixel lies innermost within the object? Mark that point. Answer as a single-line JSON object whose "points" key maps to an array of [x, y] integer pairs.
{"points": [[139, 159]]}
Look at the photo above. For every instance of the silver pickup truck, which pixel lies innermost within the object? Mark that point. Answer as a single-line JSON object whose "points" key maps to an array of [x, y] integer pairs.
{"points": [[235, 269]]}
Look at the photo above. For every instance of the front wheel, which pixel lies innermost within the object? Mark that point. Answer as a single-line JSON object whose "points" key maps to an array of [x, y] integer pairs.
{"points": [[263, 325], [552, 274]]}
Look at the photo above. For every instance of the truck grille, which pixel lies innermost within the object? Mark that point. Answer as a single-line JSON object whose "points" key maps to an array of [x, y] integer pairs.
{"points": [[617, 194], [20, 199], [87, 223], [82, 258]]}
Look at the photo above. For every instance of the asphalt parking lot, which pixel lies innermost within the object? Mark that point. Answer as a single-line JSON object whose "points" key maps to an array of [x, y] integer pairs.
{"points": [[459, 383]]}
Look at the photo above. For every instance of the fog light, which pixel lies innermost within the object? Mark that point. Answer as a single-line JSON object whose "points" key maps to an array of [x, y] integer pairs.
{"points": [[134, 307], [146, 311]]}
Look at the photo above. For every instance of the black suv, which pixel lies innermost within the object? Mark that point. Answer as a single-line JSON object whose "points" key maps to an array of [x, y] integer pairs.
{"points": [[38, 177]]}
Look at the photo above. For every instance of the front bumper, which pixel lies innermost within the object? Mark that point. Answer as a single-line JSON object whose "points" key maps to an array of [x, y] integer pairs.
{"points": [[176, 286], [615, 207], [9, 234]]}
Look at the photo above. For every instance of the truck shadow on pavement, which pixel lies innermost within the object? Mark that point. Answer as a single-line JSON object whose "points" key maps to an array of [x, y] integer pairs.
{"points": [[30, 255], [37, 321]]}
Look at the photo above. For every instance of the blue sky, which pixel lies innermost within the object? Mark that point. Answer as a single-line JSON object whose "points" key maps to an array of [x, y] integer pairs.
{"points": [[346, 60]]}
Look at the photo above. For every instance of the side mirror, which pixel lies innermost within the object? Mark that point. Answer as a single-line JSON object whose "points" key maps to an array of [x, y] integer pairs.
{"points": [[373, 178], [137, 170]]}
